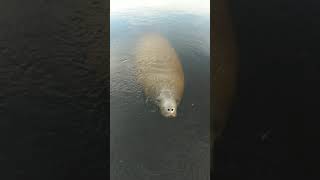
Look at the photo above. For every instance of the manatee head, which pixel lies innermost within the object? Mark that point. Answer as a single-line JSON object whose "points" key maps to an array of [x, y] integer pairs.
{"points": [[168, 107]]}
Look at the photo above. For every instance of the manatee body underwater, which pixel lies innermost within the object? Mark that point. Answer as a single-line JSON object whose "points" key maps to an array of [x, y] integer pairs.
{"points": [[160, 73]]}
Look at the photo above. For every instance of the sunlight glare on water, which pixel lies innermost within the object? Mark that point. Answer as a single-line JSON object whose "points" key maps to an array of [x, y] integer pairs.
{"points": [[190, 6]]}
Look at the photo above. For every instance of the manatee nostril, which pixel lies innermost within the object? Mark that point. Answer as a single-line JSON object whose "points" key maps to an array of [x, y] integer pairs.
{"points": [[171, 109]]}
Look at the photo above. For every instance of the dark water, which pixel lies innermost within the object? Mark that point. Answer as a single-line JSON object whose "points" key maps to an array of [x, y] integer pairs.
{"points": [[143, 144], [53, 86]]}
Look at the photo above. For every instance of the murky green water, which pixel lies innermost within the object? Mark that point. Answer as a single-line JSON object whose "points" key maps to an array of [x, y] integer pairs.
{"points": [[145, 145]]}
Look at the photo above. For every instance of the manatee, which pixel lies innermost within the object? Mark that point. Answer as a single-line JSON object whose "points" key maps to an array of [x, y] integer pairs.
{"points": [[160, 73]]}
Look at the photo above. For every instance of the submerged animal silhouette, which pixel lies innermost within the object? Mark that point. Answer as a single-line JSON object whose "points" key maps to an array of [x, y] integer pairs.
{"points": [[160, 72]]}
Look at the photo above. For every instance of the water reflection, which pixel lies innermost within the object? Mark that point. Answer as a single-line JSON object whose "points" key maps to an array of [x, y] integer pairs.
{"points": [[144, 145]]}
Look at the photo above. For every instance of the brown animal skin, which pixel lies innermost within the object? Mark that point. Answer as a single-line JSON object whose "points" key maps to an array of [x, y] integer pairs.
{"points": [[160, 72]]}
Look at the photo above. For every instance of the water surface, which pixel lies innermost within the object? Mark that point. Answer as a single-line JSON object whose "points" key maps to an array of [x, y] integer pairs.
{"points": [[145, 145]]}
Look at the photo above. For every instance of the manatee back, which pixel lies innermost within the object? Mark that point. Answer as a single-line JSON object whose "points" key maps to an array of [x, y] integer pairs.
{"points": [[158, 66]]}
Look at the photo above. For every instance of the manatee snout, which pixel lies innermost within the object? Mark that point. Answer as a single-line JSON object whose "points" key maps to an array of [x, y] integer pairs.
{"points": [[169, 113], [168, 108]]}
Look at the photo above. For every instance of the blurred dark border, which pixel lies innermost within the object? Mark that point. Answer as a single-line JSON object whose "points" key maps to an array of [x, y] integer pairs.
{"points": [[54, 89], [267, 133]]}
